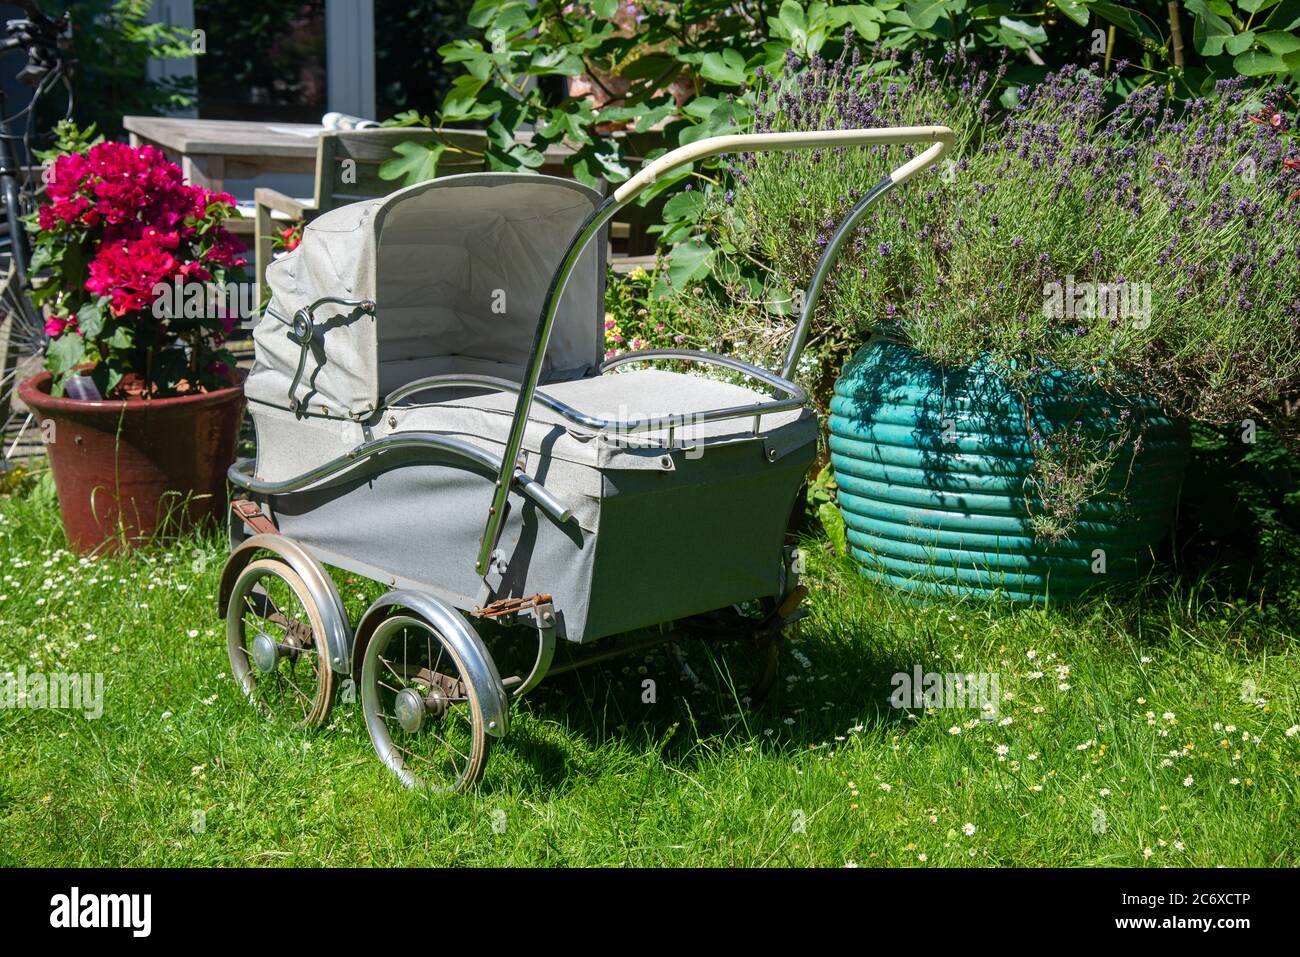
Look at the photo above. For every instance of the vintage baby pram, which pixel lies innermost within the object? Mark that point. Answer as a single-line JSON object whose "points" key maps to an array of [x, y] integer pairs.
{"points": [[433, 412]]}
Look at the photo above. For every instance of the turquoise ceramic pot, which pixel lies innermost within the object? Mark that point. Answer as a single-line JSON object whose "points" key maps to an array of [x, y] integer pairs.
{"points": [[931, 464]]}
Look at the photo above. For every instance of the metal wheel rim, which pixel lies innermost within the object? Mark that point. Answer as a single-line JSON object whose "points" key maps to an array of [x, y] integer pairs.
{"points": [[306, 678], [386, 672], [22, 344]]}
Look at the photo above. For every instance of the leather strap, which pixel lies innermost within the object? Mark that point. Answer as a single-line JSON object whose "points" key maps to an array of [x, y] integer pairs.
{"points": [[253, 517]]}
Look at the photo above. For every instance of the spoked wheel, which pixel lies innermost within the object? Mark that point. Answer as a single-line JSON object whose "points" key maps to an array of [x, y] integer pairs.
{"points": [[423, 713], [276, 641], [22, 347]]}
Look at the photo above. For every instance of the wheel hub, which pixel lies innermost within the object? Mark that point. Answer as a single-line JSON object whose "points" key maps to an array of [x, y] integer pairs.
{"points": [[436, 702], [410, 709], [266, 653]]}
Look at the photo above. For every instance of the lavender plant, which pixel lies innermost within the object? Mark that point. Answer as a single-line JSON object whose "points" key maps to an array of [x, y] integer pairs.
{"points": [[1149, 248]]}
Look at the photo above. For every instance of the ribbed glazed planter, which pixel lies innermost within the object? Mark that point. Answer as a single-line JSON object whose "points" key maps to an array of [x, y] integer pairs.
{"points": [[931, 464], [127, 470]]}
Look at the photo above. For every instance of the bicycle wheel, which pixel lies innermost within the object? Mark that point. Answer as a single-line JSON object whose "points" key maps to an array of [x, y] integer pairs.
{"points": [[22, 355]]}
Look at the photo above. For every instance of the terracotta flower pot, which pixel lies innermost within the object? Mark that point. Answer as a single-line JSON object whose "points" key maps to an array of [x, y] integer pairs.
{"points": [[126, 470]]}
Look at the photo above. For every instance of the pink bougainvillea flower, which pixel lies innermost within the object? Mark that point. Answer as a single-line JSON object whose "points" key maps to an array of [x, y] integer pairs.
{"points": [[225, 251], [129, 215], [74, 210], [127, 272], [55, 326], [201, 200], [167, 240], [194, 271], [66, 176]]}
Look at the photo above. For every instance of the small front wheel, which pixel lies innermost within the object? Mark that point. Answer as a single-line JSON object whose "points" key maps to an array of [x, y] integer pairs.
{"points": [[275, 638], [423, 712]]}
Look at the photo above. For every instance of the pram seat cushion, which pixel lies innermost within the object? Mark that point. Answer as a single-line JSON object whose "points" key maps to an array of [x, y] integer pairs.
{"points": [[622, 396]]}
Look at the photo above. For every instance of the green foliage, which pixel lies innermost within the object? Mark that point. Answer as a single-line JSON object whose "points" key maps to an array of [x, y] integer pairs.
{"points": [[962, 259], [1063, 199], [632, 81], [636, 320], [1254, 38], [655, 62], [112, 42], [1240, 515], [414, 162], [1257, 36], [677, 70], [66, 138], [821, 497]]}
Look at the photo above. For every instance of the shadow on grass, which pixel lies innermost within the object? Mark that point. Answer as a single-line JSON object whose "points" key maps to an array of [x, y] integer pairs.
{"points": [[833, 675]]}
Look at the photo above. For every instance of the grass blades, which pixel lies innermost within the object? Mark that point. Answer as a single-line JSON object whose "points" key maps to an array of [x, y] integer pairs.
{"points": [[1154, 727]]}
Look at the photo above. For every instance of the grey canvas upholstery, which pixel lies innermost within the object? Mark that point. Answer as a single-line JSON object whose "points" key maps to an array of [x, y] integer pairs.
{"points": [[665, 523], [458, 268], [623, 396]]}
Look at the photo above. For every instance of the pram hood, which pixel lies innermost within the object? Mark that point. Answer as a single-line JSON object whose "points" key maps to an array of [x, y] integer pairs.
{"points": [[458, 269]]}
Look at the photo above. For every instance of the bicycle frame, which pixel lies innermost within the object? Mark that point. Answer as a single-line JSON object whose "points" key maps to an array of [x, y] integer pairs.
{"points": [[9, 186]]}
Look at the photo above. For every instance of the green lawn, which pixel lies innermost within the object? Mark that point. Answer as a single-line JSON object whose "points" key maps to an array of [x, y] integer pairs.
{"points": [[1150, 728]]}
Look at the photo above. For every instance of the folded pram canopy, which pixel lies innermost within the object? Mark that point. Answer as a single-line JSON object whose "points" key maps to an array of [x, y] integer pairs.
{"points": [[458, 269]]}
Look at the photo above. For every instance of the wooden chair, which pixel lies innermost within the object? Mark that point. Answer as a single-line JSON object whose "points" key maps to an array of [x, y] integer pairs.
{"points": [[347, 171]]}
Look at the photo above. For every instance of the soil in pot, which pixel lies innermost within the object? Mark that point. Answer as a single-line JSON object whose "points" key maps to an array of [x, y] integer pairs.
{"points": [[130, 471]]}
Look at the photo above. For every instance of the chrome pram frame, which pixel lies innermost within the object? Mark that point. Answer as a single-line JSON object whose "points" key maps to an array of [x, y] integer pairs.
{"points": [[341, 650]]}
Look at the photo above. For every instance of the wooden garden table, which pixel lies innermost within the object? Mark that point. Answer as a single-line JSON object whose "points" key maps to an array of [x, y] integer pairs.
{"points": [[212, 151]]}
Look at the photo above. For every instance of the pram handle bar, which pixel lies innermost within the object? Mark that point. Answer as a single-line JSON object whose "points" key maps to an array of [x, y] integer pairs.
{"points": [[940, 137], [794, 395], [792, 389], [240, 473]]}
